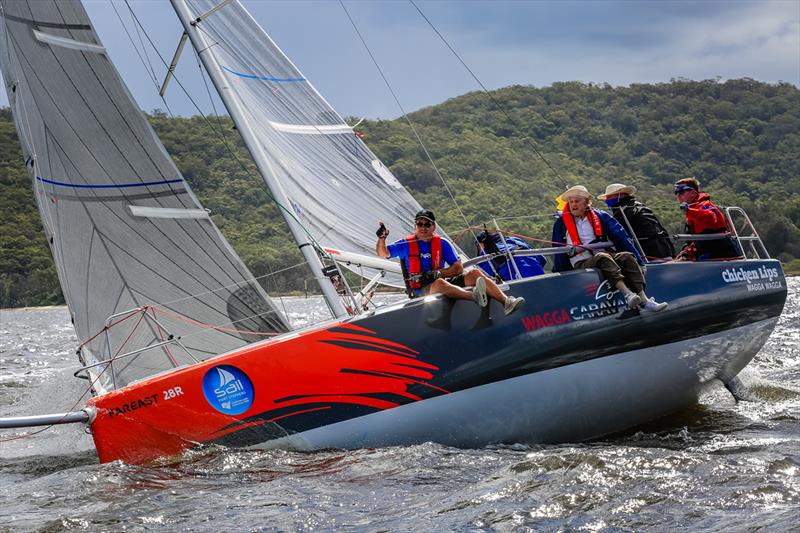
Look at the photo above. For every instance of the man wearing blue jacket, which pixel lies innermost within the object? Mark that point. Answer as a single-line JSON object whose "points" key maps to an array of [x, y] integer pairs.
{"points": [[580, 224]]}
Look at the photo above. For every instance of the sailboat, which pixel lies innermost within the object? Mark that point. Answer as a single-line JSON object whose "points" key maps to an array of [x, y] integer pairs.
{"points": [[182, 348]]}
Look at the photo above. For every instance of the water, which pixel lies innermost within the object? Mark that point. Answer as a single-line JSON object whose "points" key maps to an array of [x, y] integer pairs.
{"points": [[719, 466]]}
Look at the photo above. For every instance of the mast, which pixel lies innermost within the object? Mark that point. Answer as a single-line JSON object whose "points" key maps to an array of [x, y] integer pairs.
{"points": [[263, 163]]}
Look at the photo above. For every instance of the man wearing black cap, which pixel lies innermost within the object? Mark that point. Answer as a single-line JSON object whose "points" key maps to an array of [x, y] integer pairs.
{"points": [[431, 266]]}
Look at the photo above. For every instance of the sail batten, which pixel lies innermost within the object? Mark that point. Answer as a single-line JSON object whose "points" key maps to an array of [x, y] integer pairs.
{"points": [[335, 184], [125, 229], [68, 43]]}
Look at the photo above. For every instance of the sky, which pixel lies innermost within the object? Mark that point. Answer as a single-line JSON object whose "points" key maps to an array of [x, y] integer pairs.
{"points": [[527, 42]]}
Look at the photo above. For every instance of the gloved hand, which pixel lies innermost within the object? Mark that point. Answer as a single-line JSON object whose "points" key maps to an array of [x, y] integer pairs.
{"points": [[684, 206], [382, 232], [426, 278]]}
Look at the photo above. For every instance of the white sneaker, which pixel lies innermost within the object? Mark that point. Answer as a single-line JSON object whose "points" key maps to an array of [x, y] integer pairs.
{"points": [[479, 293], [512, 304], [652, 306], [633, 300]]}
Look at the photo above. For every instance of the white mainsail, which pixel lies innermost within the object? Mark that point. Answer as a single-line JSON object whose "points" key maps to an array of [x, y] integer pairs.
{"points": [[124, 228], [335, 187]]}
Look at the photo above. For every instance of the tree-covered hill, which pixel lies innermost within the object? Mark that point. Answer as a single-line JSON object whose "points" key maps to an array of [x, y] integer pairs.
{"points": [[741, 138]]}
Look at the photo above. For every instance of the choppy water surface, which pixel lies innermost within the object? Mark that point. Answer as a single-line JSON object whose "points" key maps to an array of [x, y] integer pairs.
{"points": [[719, 466]]}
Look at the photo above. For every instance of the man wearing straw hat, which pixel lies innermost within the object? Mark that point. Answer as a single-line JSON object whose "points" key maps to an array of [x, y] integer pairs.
{"points": [[639, 221], [580, 224]]}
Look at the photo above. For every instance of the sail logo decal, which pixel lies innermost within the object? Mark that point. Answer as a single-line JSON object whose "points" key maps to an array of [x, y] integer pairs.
{"points": [[606, 302], [228, 389]]}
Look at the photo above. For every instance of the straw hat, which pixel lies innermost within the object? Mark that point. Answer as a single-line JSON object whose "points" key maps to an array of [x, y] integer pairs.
{"points": [[617, 188], [578, 191]]}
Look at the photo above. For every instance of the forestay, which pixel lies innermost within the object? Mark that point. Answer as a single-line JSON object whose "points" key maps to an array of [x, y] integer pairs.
{"points": [[338, 189], [124, 228]]}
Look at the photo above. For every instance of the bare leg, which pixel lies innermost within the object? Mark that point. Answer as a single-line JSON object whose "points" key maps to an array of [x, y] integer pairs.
{"points": [[492, 289], [441, 286]]}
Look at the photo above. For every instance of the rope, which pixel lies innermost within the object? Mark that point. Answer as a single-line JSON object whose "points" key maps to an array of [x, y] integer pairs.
{"points": [[491, 97], [230, 150], [106, 328], [86, 391], [211, 326], [405, 115], [151, 71]]}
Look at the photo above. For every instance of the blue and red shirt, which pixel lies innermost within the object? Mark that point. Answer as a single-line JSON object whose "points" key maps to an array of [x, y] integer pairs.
{"points": [[401, 250]]}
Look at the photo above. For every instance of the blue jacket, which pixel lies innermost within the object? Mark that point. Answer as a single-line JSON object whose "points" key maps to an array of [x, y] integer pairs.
{"points": [[612, 231]]}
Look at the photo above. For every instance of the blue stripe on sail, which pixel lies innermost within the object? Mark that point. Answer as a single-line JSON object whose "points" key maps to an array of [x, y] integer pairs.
{"points": [[267, 78], [120, 186]]}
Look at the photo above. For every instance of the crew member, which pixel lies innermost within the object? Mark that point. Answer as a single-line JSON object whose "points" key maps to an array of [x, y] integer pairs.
{"points": [[702, 216], [639, 221], [431, 266], [579, 223]]}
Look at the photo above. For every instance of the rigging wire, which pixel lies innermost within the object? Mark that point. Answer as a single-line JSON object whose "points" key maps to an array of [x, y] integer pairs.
{"points": [[405, 115], [150, 71], [230, 150], [210, 96], [317, 246], [221, 133], [486, 91]]}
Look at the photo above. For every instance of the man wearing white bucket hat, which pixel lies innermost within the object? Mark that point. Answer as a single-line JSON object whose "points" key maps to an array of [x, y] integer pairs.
{"points": [[581, 224], [639, 221]]}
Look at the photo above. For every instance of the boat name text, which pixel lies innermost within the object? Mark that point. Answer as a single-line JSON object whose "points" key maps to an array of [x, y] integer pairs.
{"points": [[733, 275], [545, 320], [133, 405]]}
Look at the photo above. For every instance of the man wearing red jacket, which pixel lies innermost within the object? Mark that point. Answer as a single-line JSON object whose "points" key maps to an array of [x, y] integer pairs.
{"points": [[702, 216]]}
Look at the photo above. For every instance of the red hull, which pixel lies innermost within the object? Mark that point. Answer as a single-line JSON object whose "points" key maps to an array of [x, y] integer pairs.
{"points": [[289, 377]]}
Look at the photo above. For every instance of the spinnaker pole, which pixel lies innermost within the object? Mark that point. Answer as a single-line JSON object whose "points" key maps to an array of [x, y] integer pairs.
{"points": [[263, 162], [73, 417]]}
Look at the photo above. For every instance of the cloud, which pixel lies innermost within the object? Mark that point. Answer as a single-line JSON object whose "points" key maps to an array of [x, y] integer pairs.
{"points": [[503, 42]]}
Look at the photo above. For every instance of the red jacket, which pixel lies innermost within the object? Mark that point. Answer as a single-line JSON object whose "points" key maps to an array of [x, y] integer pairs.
{"points": [[704, 217]]}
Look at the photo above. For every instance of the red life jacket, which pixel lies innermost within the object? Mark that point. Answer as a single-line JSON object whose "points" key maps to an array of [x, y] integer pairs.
{"points": [[414, 262], [705, 217], [569, 222]]}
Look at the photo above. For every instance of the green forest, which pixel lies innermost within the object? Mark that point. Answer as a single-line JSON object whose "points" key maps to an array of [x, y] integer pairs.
{"points": [[504, 155]]}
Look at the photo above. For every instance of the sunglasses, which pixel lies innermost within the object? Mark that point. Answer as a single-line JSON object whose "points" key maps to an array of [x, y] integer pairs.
{"points": [[424, 224], [682, 189]]}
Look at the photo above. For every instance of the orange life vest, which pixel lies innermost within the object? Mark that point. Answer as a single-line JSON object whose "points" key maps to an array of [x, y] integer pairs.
{"points": [[569, 222], [414, 262]]}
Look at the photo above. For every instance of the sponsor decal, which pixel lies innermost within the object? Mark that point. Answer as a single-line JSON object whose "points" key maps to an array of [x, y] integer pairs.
{"points": [[606, 302], [134, 405], [228, 389], [545, 320], [757, 279]]}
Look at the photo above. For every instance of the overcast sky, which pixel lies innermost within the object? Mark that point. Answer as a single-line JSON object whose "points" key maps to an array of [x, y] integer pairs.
{"points": [[503, 42]]}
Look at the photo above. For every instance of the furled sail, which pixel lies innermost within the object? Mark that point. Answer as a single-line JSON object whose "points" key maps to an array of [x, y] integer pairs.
{"points": [[338, 189], [124, 228]]}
